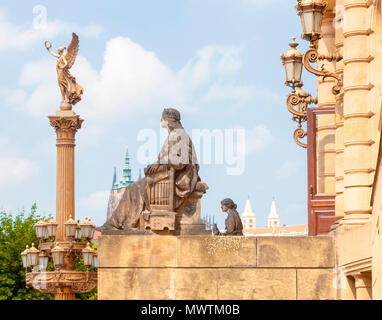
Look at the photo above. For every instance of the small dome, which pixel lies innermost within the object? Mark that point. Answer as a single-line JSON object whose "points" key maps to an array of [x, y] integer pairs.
{"points": [[292, 52]]}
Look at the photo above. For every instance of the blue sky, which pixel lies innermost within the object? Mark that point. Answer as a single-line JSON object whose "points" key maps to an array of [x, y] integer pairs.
{"points": [[217, 61]]}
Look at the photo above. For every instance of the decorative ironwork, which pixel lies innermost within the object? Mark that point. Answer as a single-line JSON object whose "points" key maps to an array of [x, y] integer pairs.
{"points": [[311, 13], [311, 56], [299, 133]]}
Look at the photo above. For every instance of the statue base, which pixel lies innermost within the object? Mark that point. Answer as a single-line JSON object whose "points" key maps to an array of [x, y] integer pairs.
{"points": [[65, 106]]}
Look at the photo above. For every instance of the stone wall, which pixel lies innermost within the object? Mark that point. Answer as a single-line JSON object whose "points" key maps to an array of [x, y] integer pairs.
{"points": [[206, 267]]}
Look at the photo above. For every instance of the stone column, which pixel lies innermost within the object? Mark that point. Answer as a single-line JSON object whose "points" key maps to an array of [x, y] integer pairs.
{"points": [[326, 122], [66, 124], [363, 286], [339, 139], [356, 131]]}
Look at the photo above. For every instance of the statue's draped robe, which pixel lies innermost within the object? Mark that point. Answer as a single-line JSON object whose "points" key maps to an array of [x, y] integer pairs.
{"points": [[73, 90], [233, 224], [177, 152]]}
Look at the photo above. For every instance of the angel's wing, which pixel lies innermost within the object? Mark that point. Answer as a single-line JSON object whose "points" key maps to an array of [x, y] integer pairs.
{"points": [[71, 52]]}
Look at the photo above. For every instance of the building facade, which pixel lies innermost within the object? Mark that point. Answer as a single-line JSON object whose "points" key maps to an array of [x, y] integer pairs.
{"points": [[343, 144]]}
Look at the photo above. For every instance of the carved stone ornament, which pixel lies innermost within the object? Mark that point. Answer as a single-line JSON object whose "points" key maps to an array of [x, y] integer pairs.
{"points": [[66, 123], [49, 282]]}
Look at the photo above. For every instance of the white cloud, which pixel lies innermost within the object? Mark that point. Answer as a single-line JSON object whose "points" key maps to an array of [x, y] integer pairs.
{"points": [[13, 97], [219, 92], [93, 30], [131, 81], [16, 170], [22, 37], [263, 3], [36, 72], [288, 168], [210, 62], [97, 200], [258, 138], [240, 93]]}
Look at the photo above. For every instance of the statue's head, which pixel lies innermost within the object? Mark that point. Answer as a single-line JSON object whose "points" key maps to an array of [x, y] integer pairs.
{"points": [[170, 118], [61, 50], [228, 204]]}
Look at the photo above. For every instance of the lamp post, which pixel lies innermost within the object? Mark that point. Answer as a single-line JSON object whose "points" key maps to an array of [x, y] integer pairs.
{"points": [[310, 12], [58, 238]]}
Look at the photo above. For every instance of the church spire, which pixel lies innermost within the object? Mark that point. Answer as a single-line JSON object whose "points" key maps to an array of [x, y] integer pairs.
{"points": [[248, 216], [114, 177], [126, 174], [273, 217]]}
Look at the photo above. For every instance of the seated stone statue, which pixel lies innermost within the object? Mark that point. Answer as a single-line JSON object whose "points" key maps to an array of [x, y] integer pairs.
{"points": [[233, 224], [168, 183]]}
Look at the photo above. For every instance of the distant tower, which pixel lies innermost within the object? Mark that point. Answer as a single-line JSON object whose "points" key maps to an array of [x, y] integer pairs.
{"points": [[273, 217], [140, 175], [111, 197], [118, 188], [126, 175], [248, 217]]}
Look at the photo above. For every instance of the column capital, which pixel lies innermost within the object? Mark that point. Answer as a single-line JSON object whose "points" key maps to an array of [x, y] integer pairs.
{"points": [[66, 127], [65, 123]]}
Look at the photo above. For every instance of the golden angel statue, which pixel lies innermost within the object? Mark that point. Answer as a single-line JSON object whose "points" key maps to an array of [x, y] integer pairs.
{"points": [[70, 90]]}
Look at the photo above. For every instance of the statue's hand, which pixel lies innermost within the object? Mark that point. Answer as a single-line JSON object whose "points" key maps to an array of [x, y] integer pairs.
{"points": [[151, 169], [215, 230]]}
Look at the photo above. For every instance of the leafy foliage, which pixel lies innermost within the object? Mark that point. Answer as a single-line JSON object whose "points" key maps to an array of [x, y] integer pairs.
{"points": [[15, 233]]}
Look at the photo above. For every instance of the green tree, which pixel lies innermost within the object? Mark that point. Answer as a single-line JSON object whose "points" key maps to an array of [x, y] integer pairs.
{"points": [[15, 233]]}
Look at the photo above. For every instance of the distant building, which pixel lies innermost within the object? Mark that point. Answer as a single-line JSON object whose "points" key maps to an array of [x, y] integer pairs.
{"points": [[294, 230], [118, 188], [273, 224]]}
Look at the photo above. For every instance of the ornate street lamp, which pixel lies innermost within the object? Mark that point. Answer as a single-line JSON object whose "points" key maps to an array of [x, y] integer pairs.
{"points": [[24, 257], [77, 235], [92, 229], [88, 254], [65, 244], [43, 260], [87, 228], [95, 260], [292, 61], [70, 227], [51, 226], [41, 229], [58, 256], [33, 256], [311, 12]]}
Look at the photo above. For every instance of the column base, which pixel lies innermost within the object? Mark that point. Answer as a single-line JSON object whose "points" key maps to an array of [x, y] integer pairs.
{"points": [[355, 219], [64, 293]]}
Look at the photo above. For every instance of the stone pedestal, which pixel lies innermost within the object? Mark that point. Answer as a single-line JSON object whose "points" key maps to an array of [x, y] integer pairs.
{"points": [[207, 267]]}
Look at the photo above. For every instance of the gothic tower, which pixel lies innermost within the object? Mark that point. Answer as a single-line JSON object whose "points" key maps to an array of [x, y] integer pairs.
{"points": [[248, 217], [273, 217], [118, 188]]}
